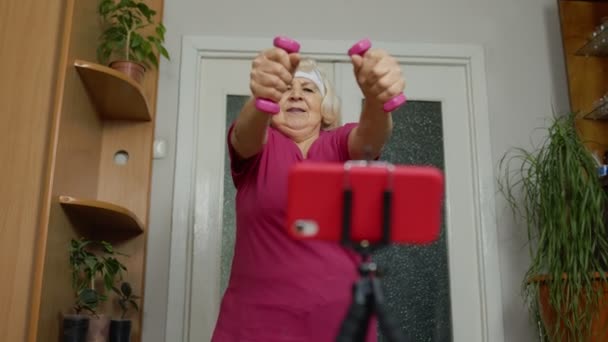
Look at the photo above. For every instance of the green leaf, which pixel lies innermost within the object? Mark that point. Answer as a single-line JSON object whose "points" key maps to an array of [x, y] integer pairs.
{"points": [[146, 11], [105, 7], [126, 289], [126, 3], [91, 263], [160, 32], [107, 247], [135, 306], [111, 265], [114, 33], [89, 297], [152, 58], [108, 280], [164, 52], [136, 41]]}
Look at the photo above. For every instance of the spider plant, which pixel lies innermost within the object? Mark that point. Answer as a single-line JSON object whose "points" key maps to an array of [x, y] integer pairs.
{"points": [[554, 190]]}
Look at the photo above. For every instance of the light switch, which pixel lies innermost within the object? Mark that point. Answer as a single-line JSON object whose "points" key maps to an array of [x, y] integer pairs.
{"points": [[160, 148]]}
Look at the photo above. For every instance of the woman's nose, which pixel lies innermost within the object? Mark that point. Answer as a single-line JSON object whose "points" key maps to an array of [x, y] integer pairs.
{"points": [[295, 94]]}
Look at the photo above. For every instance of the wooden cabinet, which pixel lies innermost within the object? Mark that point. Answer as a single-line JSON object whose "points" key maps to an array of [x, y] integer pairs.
{"points": [[586, 56], [93, 139], [28, 56]]}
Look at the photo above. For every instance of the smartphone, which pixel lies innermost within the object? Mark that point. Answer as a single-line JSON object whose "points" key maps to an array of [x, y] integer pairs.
{"points": [[316, 202]]}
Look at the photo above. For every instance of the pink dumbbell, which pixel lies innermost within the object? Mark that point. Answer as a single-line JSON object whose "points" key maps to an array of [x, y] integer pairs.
{"points": [[360, 48], [266, 105]]}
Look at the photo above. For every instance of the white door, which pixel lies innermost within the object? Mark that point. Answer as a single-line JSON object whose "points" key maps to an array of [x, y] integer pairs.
{"points": [[445, 292], [437, 105]]}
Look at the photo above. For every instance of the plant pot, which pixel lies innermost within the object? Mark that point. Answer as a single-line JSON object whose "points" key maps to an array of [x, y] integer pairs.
{"points": [[75, 328], [120, 330], [134, 70], [99, 329], [598, 323]]}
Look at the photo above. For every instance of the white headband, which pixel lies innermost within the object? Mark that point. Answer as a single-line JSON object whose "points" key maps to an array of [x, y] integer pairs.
{"points": [[313, 76]]}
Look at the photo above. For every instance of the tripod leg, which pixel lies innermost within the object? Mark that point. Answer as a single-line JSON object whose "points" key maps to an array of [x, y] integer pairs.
{"points": [[354, 326], [388, 325]]}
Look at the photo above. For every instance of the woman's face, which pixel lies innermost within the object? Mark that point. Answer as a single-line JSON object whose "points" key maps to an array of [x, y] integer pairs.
{"points": [[300, 116]]}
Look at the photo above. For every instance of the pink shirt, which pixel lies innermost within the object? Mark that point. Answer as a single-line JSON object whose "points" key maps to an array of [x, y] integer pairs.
{"points": [[280, 289]]}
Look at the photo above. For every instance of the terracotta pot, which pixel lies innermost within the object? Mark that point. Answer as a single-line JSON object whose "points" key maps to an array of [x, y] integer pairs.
{"points": [[132, 69], [549, 316], [99, 329]]}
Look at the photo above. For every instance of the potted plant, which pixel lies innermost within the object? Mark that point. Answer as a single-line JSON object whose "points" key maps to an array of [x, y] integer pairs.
{"points": [[87, 268], [120, 329], [555, 190], [123, 43]]}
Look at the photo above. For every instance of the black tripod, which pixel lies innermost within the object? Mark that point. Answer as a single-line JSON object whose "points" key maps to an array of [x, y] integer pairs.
{"points": [[367, 299], [367, 296]]}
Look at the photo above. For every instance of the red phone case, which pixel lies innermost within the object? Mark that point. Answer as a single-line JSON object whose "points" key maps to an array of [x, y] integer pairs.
{"points": [[316, 193]]}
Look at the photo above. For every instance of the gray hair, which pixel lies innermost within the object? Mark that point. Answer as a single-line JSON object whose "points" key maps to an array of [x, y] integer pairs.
{"points": [[330, 105]]}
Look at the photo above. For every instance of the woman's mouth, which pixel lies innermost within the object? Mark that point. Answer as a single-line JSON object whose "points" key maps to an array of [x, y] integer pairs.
{"points": [[295, 110]]}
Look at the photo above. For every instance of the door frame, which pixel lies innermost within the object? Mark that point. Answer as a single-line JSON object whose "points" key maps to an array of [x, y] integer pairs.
{"points": [[469, 57]]}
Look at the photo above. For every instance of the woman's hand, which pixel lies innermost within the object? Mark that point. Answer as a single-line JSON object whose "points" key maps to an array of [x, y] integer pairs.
{"points": [[272, 72], [378, 75]]}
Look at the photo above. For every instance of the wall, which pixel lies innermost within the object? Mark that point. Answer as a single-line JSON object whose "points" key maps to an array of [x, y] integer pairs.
{"points": [[29, 41], [525, 78]]}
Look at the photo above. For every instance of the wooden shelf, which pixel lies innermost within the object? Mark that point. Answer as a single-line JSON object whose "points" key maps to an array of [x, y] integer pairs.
{"points": [[596, 46], [598, 113], [100, 216], [114, 94]]}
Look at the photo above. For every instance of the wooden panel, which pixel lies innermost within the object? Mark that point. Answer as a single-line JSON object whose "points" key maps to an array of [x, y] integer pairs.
{"points": [[587, 76], [78, 146], [127, 185], [37, 281], [29, 32]]}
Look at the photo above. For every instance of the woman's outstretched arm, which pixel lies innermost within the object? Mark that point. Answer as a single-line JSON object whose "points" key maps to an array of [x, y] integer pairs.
{"points": [[380, 78]]}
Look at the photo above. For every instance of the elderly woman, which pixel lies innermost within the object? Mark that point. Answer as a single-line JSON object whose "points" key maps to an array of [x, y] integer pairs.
{"points": [[280, 289]]}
